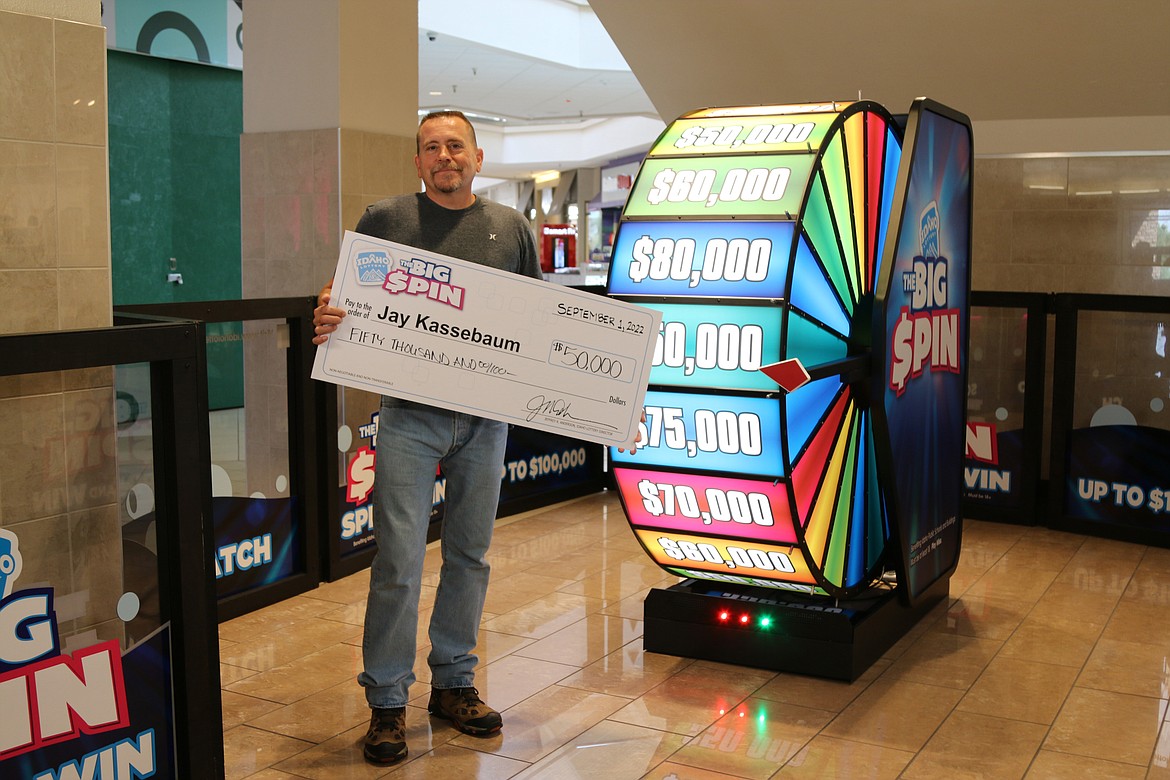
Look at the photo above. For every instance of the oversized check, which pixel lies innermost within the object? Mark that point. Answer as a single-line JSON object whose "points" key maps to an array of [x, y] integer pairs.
{"points": [[474, 339]]}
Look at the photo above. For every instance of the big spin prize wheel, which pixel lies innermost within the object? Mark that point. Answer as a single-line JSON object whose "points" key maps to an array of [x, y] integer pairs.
{"points": [[758, 232]]}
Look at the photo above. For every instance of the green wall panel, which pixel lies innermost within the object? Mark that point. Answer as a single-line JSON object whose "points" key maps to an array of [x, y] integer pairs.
{"points": [[175, 193]]}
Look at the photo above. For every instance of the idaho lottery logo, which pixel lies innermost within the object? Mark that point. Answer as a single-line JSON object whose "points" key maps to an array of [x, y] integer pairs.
{"points": [[372, 267], [927, 331]]}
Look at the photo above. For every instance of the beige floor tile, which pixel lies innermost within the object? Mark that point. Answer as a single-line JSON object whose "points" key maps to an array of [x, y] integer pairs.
{"points": [[1127, 667], [511, 593], [351, 614], [274, 618], [693, 699], [821, 693], [1015, 578], [304, 676], [951, 660], [1138, 621], [229, 674], [1021, 690], [346, 590], [668, 770], [1102, 724], [969, 745], [963, 578], [505, 566], [320, 717], [492, 646], [1052, 640], [247, 750], [632, 607], [239, 709], [546, 548], [1119, 559], [341, 757], [532, 527], [1149, 585], [1159, 768], [1049, 549], [608, 751], [511, 680], [754, 739], [1050, 765], [826, 757], [1046, 661], [580, 563], [296, 640], [544, 722], [621, 581], [586, 641], [628, 672], [446, 762], [895, 713], [985, 617], [545, 615]]}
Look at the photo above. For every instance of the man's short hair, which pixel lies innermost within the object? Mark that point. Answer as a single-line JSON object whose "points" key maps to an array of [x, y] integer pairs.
{"points": [[439, 115]]}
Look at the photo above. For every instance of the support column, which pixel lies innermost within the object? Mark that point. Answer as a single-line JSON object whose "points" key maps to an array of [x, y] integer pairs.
{"points": [[330, 114]]}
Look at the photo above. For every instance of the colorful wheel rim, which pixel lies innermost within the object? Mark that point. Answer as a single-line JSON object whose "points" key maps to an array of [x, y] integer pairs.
{"points": [[758, 232]]}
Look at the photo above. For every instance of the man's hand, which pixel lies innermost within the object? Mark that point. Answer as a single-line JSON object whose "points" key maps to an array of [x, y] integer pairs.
{"points": [[634, 446], [325, 317]]}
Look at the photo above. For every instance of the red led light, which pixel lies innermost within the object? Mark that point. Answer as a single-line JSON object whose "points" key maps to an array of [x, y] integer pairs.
{"points": [[724, 615], [744, 619]]}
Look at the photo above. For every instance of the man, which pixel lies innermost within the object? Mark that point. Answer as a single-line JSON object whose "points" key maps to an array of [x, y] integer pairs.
{"points": [[413, 439]]}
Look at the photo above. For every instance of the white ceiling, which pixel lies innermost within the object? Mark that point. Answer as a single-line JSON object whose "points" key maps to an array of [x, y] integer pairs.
{"points": [[541, 79], [518, 89], [1077, 76], [995, 60]]}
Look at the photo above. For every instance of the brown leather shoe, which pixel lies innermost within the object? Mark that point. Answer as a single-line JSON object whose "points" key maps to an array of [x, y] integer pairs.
{"points": [[385, 742], [465, 710]]}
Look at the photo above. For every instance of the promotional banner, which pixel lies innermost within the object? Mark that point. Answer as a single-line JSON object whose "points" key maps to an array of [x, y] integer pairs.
{"points": [[257, 542], [84, 711], [921, 322], [1119, 475], [536, 463], [993, 467]]}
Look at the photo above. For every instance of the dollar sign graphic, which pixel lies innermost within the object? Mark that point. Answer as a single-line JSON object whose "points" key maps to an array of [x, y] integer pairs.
{"points": [[661, 186], [360, 476], [650, 498], [640, 264]]}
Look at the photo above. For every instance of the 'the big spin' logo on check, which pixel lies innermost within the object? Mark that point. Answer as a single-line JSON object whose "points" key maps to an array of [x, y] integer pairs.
{"points": [[416, 276], [927, 331]]}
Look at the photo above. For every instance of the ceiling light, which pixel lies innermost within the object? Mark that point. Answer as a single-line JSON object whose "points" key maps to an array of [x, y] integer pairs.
{"points": [[435, 93], [544, 177], [1094, 192]]}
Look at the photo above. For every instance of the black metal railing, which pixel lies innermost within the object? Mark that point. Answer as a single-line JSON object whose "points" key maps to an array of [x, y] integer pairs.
{"points": [[306, 401]]}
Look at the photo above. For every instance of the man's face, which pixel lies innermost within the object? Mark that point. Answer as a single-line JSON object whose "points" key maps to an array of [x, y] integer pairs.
{"points": [[447, 159]]}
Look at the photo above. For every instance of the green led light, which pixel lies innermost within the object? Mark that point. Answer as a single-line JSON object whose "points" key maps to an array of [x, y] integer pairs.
{"points": [[765, 621]]}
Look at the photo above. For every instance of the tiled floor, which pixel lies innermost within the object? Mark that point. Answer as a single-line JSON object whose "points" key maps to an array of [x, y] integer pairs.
{"points": [[1049, 661]]}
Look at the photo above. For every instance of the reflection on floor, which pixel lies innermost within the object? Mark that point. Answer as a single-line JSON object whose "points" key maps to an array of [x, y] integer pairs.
{"points": [[1050, 661]]}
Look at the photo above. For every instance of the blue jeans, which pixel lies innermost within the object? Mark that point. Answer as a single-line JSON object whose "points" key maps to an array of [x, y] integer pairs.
{"points": [[412, 440]]}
